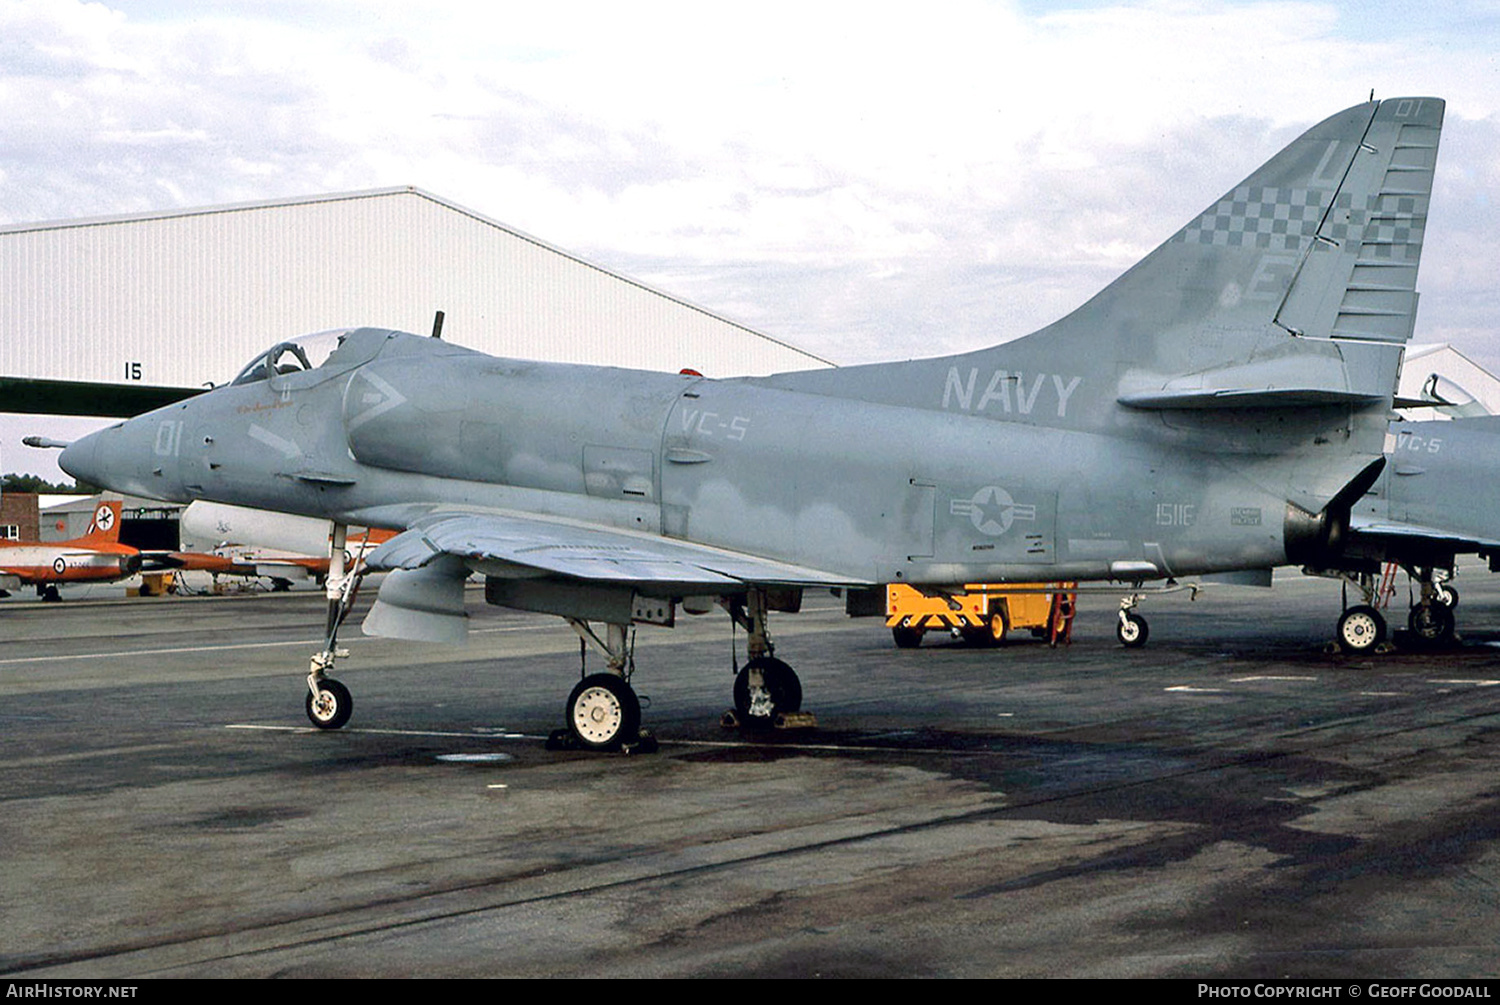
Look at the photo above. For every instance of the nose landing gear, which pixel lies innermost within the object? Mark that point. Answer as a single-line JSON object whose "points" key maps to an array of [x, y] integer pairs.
{"points": [[1131, 629], [329, 703]]}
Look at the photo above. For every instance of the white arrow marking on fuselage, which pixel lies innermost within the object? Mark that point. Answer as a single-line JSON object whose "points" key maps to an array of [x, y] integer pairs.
{"points": [[278, 443], [389, 398]]}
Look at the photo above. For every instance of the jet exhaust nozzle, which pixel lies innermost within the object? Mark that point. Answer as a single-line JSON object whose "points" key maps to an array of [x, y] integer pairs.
{"points": [[1314, 538]]}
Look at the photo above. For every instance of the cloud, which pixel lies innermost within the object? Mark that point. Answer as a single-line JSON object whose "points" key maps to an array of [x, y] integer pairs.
{"points": [[861, 180]]}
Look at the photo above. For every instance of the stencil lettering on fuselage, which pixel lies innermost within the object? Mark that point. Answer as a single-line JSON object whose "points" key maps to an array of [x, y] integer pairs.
{"points": [[1008, 392]]}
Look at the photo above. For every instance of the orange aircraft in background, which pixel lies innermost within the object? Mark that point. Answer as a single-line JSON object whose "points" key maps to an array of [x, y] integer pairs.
{"points": [[237, 541], [98, 556]]}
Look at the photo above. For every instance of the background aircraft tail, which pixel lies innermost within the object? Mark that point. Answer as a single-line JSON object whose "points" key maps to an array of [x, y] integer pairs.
{"points": [[104, 528]]}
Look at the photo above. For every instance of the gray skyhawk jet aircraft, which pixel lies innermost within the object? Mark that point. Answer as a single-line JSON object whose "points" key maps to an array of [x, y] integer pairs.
{"points": [[1435, 500], [1221, 406]]}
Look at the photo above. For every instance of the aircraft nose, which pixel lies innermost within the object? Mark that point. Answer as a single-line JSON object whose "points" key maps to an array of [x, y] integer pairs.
{"points": [[128, 457], [81, 459]]}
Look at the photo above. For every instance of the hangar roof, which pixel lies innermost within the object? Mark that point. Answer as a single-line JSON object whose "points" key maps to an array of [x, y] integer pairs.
{"points": [[1438, 370], [184, 297]]}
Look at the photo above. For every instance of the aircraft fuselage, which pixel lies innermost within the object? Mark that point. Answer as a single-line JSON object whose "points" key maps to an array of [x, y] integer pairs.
{"points": [[870, 491]]}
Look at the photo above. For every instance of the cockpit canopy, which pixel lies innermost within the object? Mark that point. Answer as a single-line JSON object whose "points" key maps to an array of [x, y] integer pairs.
{"points": [[306, 352]]}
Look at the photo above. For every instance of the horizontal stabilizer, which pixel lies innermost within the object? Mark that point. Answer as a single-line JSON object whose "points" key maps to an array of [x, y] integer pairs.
{"points": [[1279, 397], [1290, 375], [1370, 527]]}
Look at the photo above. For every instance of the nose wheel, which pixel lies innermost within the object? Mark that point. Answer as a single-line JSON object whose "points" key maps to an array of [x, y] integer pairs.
{"points": [[1131, 629], [330, 705]]}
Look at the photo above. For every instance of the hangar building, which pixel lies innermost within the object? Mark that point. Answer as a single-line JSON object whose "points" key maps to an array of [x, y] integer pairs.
{"points": [[181, 298], [1438, 371]]}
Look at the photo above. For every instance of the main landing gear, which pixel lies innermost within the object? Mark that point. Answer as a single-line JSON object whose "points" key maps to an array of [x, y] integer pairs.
{"points": [[767, 693], [1362, 628], [603, 712], [1431, 617]]}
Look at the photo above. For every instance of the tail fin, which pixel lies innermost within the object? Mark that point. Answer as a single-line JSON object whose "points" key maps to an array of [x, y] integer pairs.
{"points": [[104, 528], [1320, 245], [1294, 292], [1296, 288]]}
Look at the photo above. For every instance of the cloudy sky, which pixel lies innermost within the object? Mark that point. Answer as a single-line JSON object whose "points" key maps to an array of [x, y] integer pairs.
{"points": [[864, 180]]}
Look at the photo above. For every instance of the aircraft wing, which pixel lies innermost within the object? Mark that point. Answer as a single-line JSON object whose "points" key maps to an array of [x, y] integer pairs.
{"points": [[71, 397], [588, 552]]}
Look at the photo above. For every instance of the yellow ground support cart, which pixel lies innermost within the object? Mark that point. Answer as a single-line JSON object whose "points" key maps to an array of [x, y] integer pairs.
{"points": [[980, 613]]}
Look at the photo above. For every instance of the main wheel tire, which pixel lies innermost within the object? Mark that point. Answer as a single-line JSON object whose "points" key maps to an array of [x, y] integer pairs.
{"points": [[1132, 630], [779, 691], [603, 712], [1431, 622], [1360, 629], [906, 638], [332, 706]]}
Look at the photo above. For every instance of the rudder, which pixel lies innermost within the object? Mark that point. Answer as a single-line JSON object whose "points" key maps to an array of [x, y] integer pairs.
{"points": [[104, 528]]}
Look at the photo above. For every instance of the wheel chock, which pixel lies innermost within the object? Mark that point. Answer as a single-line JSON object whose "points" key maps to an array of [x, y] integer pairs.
{"points": [[644, 743], [782, 720]]}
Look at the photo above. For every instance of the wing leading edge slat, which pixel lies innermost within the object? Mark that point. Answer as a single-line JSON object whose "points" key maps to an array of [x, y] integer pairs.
{"points": [[593, 553]]}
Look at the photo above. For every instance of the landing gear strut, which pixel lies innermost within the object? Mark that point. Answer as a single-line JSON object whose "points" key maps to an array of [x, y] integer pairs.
{"points": [[1131, 630], [1431, 617], [767, 692], [603, 712], [1361, 628], [329, 703]]}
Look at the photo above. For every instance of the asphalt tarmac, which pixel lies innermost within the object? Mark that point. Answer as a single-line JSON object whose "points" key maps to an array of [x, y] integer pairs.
{"points": [[1230, 801]]}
